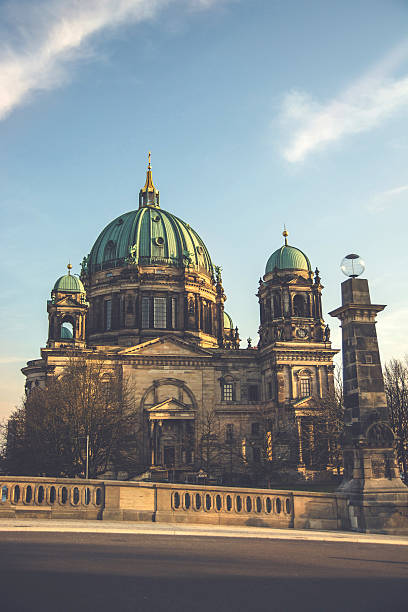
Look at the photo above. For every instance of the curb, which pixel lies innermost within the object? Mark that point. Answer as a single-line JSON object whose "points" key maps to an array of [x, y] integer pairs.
{"points": [[97, 527]]}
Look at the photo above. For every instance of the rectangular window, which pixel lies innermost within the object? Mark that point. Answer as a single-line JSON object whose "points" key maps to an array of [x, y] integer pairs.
{"points": [[270, 390], [229, 432], [255, 429], [108, 314], [174, 313], [305, 387], [253, 394], [145, 313], [227, 392], [256, 454], [160, 312]]}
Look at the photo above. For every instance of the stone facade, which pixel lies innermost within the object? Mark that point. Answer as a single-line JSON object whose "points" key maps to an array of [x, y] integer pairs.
{"points": [[158, 314]]}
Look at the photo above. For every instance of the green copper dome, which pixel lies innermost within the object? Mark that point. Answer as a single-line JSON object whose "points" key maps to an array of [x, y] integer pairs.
{"points": [[288, 258], [228, 324], [149, 235], [69, 284]]}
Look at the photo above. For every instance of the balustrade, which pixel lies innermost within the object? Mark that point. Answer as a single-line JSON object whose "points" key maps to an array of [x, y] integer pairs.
{"points": [[56, 495], [258, 504], [165, 502]]}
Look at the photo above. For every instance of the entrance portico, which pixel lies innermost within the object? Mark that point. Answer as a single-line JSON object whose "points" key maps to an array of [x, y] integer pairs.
{"points": [[171, 427]]}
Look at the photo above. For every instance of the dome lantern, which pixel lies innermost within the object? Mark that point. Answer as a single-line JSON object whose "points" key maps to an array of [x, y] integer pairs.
{"points": [[149, 195]]}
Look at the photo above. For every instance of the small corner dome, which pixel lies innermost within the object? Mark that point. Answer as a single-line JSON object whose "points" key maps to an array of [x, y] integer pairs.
{"points": [[69, 284], [228, 324], [288, 258]]}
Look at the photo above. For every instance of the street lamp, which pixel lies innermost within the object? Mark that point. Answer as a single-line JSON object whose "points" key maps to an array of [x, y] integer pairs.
{"points": [[87, 457], [87, 454]]}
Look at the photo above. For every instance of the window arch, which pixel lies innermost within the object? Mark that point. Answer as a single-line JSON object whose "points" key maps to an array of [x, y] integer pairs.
{"points": [[304, 383], [110, 251], [299, 306], [228, 388], [67, 329], [277, 305]]}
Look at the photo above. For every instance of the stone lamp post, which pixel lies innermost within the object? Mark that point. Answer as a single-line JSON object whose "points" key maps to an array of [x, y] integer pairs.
{"points": [[377, 497]]}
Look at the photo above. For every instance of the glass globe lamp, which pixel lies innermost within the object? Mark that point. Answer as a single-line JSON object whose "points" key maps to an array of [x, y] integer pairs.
{"points": [[352, 265]]}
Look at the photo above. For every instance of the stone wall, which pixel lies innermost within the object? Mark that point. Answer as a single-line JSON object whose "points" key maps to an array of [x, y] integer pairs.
{"points": [[172, 503]]}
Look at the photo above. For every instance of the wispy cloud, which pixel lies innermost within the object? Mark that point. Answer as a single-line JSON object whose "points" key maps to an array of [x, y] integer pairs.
{"points": [[383, 200], [44, 36], [359, 108]]}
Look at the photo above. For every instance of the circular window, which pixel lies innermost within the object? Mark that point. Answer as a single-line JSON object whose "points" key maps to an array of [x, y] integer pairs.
{"points": [[200, 250], [120, 221], [156, 218], [159, 241]]}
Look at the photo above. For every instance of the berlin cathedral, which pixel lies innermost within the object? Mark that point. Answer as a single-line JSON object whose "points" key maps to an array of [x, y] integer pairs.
{"points": [[150, 302]]}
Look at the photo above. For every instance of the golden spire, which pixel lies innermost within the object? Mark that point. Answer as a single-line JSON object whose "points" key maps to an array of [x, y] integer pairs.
{"points": [[149, 179], [69, 266], [285, 234], [149, 195]]}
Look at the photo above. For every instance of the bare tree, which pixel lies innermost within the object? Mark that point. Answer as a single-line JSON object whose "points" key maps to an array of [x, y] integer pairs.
{"points": [[329, 426], [86, 403], [396, 390], [271, 449], [209, 442]]}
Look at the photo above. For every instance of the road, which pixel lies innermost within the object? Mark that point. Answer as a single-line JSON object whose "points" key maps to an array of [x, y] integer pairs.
{"points": [[69, 572]]}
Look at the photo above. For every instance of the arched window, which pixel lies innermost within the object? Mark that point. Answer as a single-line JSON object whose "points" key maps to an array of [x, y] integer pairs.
{"points": [[299, 307], [67, 330], [110, 251]]}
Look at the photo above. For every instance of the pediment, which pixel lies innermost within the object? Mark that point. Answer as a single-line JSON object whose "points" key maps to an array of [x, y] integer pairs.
{"points": [[298, 280], [68, 301], [303, 403], [166, 346], [170, 408]]}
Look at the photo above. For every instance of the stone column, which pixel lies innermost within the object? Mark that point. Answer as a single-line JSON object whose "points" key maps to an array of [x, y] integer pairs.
{"points": [[153, 442], [378, 498]]}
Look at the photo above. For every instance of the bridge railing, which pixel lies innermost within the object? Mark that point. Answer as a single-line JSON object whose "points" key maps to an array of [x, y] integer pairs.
{"points": [[62, 497], [174, 503], [224, 505]]}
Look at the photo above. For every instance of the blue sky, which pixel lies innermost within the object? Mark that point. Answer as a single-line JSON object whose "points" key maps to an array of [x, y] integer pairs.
{"points": [[257, 113]]}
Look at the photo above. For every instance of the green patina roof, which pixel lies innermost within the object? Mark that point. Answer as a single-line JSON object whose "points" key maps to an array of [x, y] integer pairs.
{"points": [[69, 283], [228, 324], [288, 258], [149, 235]]}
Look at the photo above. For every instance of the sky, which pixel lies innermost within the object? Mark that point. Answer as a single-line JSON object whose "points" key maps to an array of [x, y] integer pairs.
{"points": [[258, 113]]}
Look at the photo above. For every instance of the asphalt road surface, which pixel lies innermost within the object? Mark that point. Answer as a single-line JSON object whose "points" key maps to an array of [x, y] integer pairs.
{"points": [[75, 572]]}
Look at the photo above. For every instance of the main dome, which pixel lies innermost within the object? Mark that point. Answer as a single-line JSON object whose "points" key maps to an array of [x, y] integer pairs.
{"points": [[148, 236]]}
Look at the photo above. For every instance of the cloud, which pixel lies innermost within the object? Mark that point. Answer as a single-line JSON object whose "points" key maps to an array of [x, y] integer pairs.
{"points": [[359, 108], [383, 200], [43, 37]]}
